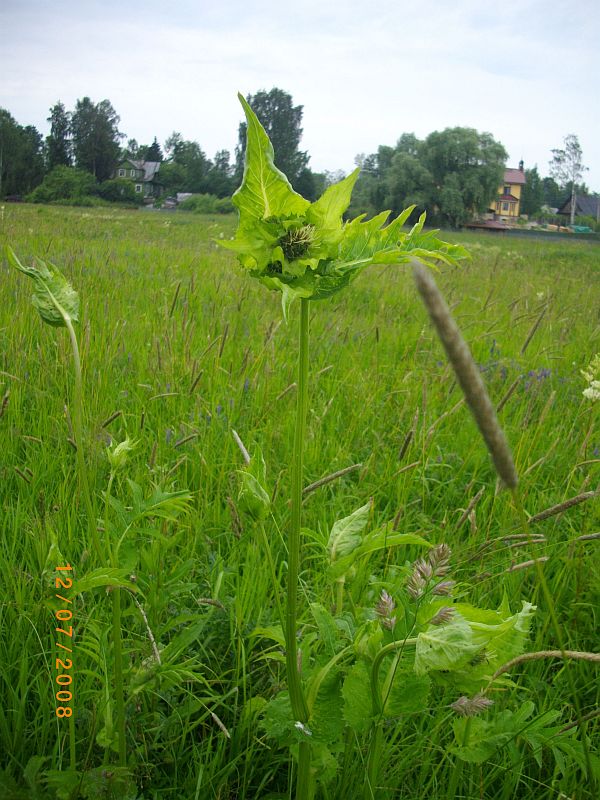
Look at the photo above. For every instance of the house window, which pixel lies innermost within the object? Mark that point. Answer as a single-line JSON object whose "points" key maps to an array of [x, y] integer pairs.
{"points": [[121, 173], [507, 190], [504, 206], [132, 173], [138, 187]]}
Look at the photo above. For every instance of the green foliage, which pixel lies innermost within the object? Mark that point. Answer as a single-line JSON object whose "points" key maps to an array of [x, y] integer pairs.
{"points": [[516, 732], [58, 142], [21, 156], [207, 204], [64, 183], [54, 297], [119, 190], [207, 592], [452, 175], [95, 135]]}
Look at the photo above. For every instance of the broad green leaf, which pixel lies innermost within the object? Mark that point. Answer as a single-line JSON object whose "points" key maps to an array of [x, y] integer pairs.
{"points": [[265, 191], [498, 636], [445, 647], [346, 533], [381, 539], [328, 630], [358, 703], [326, 721], [103, 576], [327, 211], [54, 297], [273, 632], [407, 694]]}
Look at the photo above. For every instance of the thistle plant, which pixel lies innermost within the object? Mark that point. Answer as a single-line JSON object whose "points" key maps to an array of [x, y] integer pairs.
{"points": [[58, 305], [308, 252]]}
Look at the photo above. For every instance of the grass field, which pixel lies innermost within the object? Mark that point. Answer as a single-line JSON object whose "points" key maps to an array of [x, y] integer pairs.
{"points": [[179, 348]]}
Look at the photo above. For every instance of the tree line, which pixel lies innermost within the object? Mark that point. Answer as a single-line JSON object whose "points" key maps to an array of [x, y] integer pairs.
{"points": [[452, 174]]}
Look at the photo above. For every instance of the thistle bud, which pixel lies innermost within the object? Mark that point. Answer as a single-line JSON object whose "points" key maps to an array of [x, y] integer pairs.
{"points": [[118, 454]]}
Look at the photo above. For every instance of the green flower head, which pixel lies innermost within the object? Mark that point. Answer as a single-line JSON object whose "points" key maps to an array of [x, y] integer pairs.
{"points": [[305, 249]]}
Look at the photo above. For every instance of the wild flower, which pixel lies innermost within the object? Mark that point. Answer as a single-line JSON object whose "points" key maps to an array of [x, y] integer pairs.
{"points": [[592, 376]]}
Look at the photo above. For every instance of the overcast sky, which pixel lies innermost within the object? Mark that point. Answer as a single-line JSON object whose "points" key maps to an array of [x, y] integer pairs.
{"points": [[365, 72]]}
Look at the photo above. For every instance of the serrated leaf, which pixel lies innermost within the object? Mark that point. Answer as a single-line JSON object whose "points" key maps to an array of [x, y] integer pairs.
{"points": [[346, 533], [407, 694], [326, 721], [445, 647], [358, 703], [277, 719], [328, 630], [54, 297]]}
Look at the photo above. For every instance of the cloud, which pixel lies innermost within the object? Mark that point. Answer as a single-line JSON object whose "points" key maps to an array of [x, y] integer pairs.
{"points": [[363, 76]]}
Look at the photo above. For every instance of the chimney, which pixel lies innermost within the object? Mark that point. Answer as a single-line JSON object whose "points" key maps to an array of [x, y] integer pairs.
{"points": [[521, 165]]}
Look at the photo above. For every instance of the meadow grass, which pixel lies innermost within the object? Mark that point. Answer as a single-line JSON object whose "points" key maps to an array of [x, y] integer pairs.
{"points": [[179, 348]]}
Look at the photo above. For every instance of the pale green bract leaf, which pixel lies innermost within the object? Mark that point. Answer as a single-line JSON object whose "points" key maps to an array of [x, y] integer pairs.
{"points": [[265, 191], [445, 647], [346, 534], [306, 250], [54, 297]]}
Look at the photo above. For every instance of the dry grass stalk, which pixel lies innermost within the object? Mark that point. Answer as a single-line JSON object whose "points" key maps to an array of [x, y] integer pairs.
{"points": [[406, 468], [110, 419], [541, 654], [588, 537], [286, 390], [533, 329], [470, 507], [328, 478], [557, 509], [508, 395], [526, 564], [4, 402], [240, 444], [468, 376]]}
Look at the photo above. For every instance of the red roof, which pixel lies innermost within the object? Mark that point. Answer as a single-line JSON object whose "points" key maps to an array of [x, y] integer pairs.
{"points": [[507, 198], [514, 176]]}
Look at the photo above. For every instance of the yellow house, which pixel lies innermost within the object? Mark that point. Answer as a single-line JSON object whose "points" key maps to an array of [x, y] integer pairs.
{"points": [[507, 206]]}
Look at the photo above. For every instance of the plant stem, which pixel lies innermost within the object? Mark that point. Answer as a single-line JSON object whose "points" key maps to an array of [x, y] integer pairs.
{"points": [[84, 485], [118, 659], [116, 636], [297, 699]]}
